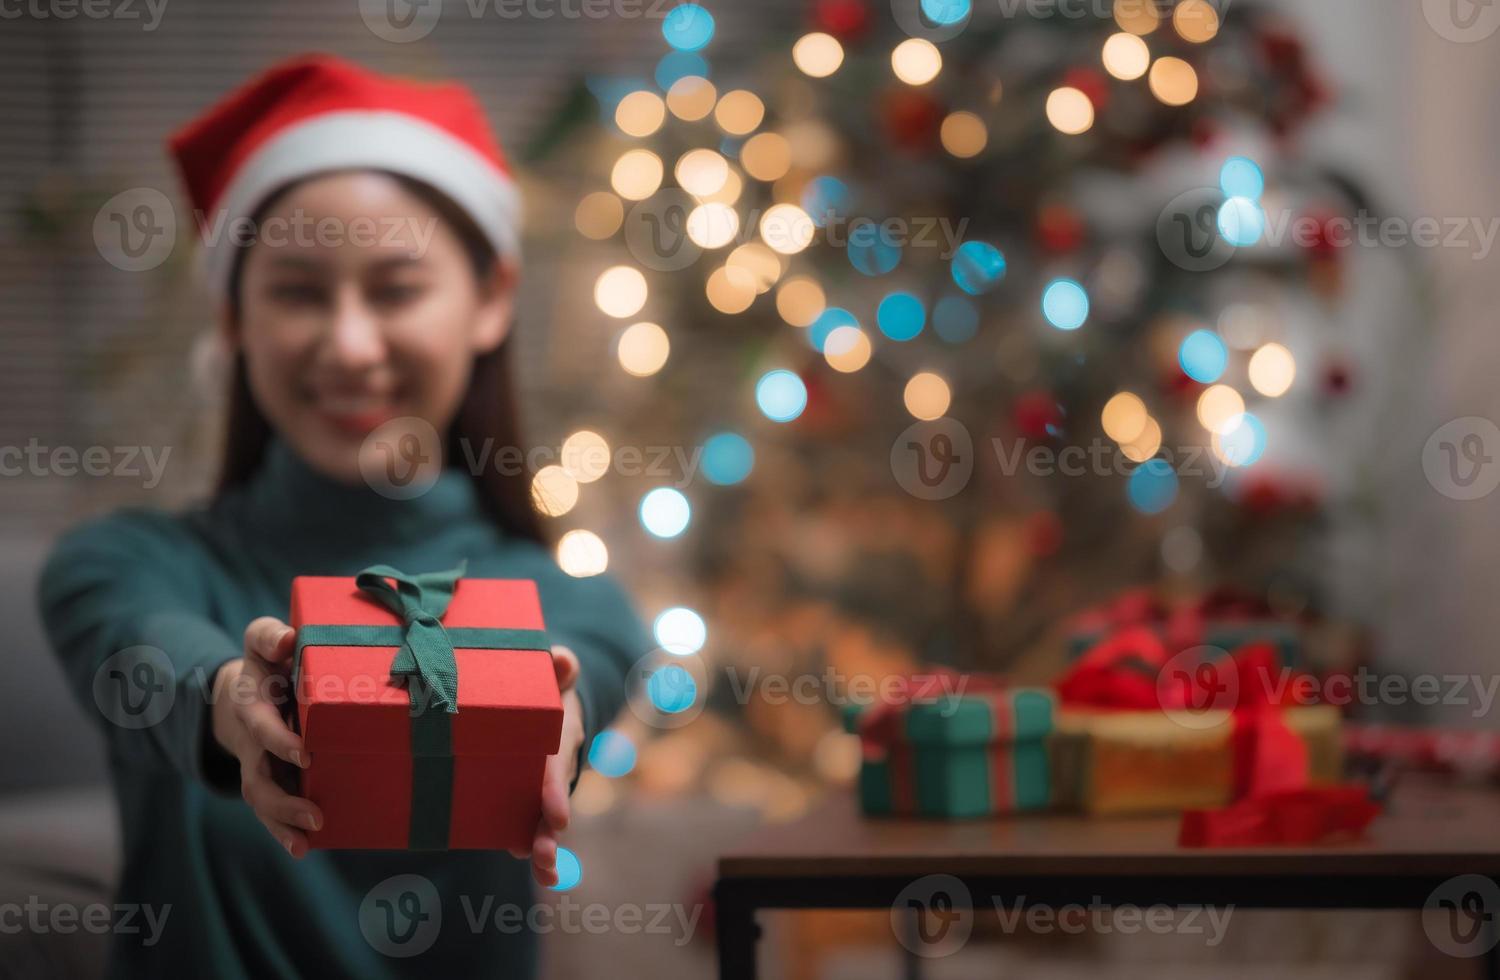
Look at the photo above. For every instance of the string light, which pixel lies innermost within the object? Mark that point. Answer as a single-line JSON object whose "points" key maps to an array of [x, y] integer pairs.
{"points": [[786, 228], [643, 349], [901, 316], [554, 492], [1146, 444], [1196, 21], [781, 395], [729, 193], [927, 396], [1137, 16], [847, 349], [691, 98], [739, 112], [1219, 408], [712, 225], [1241, 222], [766, 156], [1124, 417], [963, 134], [916, 61], [1126, 56], [701, 172], [728, 459], [1152, 487], [1272, 370], [817, 55], [1173, 81], [1203, 356], [1070, 111], [581, 553], [640, 113], [800, 300], [585, 456], [665, 512], [688, 27], [1065, 304], [1244, 444], [620, 291], [636, 175], [977, 267], [730, 289], [680, 631], [762, 264], [599, 215]]}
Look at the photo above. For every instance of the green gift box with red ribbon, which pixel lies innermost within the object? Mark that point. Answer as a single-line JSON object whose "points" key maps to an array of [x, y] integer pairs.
{"points": [[976, 753]]}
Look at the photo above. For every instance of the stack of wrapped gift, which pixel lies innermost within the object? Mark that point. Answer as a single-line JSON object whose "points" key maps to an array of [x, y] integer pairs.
{"points": [[1125, 745], [975, 753], [1224, 619]]}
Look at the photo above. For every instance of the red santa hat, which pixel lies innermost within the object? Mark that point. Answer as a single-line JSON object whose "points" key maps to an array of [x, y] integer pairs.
{"points": [[317, 114]]}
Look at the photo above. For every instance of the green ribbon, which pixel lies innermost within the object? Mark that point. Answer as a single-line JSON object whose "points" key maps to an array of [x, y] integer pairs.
{"points": [[426, 665]]}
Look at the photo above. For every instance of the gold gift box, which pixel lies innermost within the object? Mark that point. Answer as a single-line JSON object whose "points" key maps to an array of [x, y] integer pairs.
{"points": [[1108, 763]]}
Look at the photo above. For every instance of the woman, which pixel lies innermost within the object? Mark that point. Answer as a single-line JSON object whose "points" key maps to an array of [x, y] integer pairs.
{"points": [[377, 311]]}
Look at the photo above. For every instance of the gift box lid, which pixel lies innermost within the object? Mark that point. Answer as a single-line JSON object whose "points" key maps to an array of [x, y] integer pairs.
{"points": [[347, 701], [1009, 715]]}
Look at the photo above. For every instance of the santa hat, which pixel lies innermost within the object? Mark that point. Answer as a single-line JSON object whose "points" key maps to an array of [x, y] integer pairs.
{"points": [[318, 114]]}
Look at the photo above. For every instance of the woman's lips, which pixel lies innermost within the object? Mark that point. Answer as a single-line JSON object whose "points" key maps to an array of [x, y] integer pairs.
{"points": [[356, 415]]}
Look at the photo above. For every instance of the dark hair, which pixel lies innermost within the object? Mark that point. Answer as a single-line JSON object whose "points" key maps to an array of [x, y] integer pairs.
{"points": [[489, 410]]}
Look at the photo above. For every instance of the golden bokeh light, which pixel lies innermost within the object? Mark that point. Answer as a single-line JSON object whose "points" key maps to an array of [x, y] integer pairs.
{"points": [[691, 98], [1196, 21], [713, 225], [927, 396], [585, 455], [739, 112], [701, 172], [1173, 81], [1126, 56], [620, 291], [554, 492], [640, 113], [1124, 417], [643, 349], [847, 349], [729, 193], [916, 61], [731, 289], [800, 301], [1145, 445], [787, 228], [1220, 408], [763, 264], [814, 145], [817, 55], [1137, 16], [1272, 370], [964, 134], [599, 215], [766, 156], [1070, 111], [636, 175], [582, 553]]}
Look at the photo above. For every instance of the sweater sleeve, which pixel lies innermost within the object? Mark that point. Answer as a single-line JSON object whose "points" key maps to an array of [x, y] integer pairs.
{"points": [[596, 620], [127, 616]]}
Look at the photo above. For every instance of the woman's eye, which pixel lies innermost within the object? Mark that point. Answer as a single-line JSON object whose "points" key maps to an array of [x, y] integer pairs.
{"points": [[296, 294], [395, 294]]}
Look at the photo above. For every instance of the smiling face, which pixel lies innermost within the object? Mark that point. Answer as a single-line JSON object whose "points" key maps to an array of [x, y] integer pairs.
{"points": [[358, 304]]}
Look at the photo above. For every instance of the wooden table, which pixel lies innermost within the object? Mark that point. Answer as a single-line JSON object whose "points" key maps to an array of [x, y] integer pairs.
{"points": [[1431, 832]]}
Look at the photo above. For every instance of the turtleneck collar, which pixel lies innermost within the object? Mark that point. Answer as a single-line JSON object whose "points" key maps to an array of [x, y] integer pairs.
{"points": [[287, 498]]}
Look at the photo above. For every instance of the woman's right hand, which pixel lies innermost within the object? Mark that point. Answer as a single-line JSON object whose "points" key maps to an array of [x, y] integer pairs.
{"points": [[248, 724]]}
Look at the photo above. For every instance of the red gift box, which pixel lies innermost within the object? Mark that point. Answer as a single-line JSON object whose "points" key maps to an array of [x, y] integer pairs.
{"points": [[375, 770]]}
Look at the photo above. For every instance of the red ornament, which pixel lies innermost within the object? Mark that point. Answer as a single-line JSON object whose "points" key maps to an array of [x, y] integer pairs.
{"points": [[912, 119], [1338, 379], [1034, 412], [1059, 228], [1205, 133], [846, 20]]}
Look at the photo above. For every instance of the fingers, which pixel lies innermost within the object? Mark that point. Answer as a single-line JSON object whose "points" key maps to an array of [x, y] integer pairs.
{"points": [[565, 663], [269, 730], [544, 857], [287, 817], [270, 639], [555, 808]]}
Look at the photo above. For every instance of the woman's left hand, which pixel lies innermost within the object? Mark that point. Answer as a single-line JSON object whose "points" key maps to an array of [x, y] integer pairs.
{"points": [[561, 768]]}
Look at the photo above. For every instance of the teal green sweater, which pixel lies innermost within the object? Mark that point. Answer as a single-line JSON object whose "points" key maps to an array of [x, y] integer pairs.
{"points": [[187, 585]]}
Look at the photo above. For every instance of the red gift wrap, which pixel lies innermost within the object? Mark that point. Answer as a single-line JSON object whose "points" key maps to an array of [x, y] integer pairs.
{"points": [[357, 722]]}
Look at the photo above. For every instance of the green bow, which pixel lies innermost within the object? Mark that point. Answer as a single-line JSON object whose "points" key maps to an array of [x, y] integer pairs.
{"points": [[426, 650]]}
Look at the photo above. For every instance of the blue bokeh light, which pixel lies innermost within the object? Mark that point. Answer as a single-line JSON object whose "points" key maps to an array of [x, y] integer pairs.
{"points": [[781, 395], [946, 12], [827, 322], [569, 870], [955, 319], [1245, 443], [1065, 304], [675, 65], [727, 458], [665, 512], [1241, 222], [901, 316], [1203, 356], [688, 27], [1242, 177], [873, 250], [672, 689], [612, 754], [1152, 487], [978, 267], [824, 197]]}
